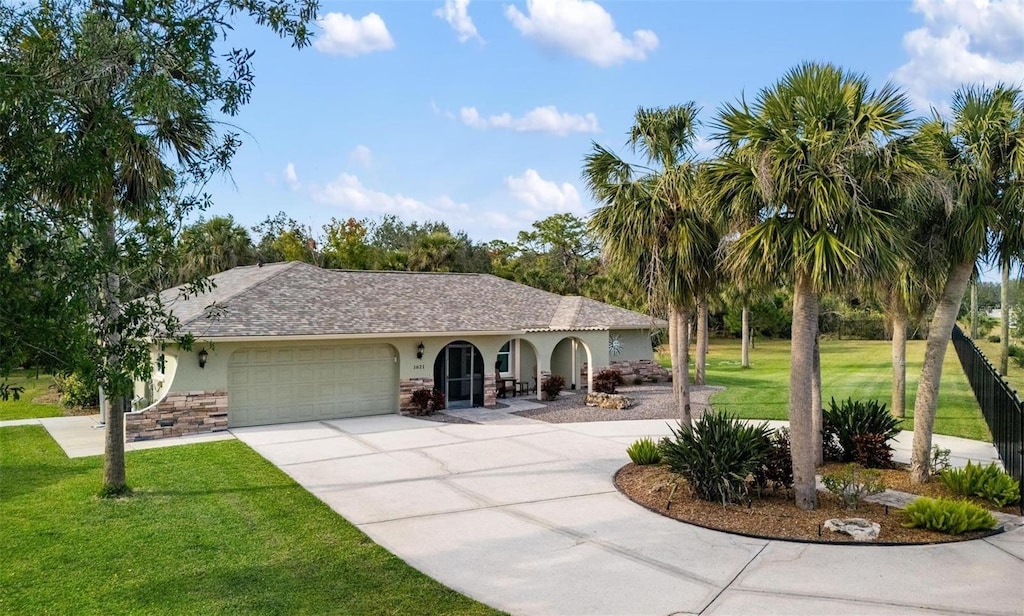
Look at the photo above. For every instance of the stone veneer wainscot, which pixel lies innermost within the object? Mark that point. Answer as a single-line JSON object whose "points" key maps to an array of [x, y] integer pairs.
{"points": [[407, 386], [179, 414]]}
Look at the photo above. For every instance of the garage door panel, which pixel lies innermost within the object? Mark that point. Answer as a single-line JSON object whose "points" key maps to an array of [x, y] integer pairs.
{"points": [[305, 383]]}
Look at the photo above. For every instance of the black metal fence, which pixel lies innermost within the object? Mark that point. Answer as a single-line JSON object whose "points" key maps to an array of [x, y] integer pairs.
{"points": [[1001, 406]]}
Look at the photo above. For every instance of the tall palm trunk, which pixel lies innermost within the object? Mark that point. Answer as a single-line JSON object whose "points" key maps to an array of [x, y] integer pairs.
{"points": [[817, 421], [673, 350], [899, 361], [805, 329], [682, 369], [701, 359], [745, 338], [931, 373], [974, 310], [1004, 330], [114, 481]]}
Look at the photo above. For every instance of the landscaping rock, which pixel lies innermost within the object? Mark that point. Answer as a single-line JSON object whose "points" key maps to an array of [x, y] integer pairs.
{"points": [[608, 401], [858, 528]]}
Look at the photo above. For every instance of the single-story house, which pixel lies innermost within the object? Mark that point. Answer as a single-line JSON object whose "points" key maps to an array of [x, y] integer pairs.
{"points": [[288, 342]]}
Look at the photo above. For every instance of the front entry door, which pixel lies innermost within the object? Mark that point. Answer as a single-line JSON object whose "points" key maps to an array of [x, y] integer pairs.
{"points": [[460, 375]]}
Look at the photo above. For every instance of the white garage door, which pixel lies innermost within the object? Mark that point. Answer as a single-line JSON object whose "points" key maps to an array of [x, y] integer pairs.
{"points": [[306, 383]]}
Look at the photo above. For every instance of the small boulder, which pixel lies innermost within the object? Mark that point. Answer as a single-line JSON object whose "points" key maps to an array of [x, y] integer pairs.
{"points": [[858, 528], [608, 401]]}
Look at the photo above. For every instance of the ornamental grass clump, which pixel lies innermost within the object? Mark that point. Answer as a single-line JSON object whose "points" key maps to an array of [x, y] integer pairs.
{"points": [[863, 430], [988, 482], [717, 455], [953, 517], [644, 451]]}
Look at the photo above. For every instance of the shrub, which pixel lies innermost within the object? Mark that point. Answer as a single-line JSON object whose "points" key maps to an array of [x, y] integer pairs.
{"points": [[552, 385], [994, 338], [988, 482], [1017, 354], [644, 451], [427, 401], [76, 390], [853, 484], [944, 515], [717, 455], [940, 459], [638, 380], [872, 451], [607, 380], [1000, 490], [831, 451], [777, 470], [852, 418]]}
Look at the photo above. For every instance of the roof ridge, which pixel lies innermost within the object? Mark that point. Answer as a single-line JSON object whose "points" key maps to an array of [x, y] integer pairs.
{"points": [[566, 312], [381, 271], [280, 270]]}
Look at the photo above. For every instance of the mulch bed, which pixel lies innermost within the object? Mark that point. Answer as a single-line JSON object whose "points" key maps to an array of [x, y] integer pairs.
{"points": [[772, 515], [898, 478]]}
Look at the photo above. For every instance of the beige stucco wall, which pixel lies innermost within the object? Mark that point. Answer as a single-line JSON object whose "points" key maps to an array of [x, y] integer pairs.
{"points": [[536, 355], [636, 344]]}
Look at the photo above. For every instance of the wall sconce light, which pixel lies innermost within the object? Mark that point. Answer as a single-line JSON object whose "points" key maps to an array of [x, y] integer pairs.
{"points": [[203, 356], [419, 350]]}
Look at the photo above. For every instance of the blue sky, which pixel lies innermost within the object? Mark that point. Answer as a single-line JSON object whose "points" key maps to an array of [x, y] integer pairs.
{"points": [[479, 113]]}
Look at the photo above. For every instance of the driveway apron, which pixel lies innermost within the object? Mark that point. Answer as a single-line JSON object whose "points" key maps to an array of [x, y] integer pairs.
{"points": [[524, 517]]}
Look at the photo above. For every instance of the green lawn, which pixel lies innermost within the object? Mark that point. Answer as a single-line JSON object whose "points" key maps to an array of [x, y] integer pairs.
{"points": [[991, 350], [24, 407], [861, 369], [215, 529]]}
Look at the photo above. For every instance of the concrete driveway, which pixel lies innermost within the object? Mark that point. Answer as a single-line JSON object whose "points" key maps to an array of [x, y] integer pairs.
{"points": [[523, 516]]}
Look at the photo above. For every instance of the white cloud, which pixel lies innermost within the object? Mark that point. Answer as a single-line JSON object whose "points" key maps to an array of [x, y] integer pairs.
{"points": [[347, 191], [456, 14], [582, 28], [540, 120], [361, 155], [704, 148], [962, 41], [544, 197], [291, 177], [347, 36]]}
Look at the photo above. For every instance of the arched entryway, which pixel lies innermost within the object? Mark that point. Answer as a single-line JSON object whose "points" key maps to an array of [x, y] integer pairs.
{"points": [[459, 373], [516, 368], [572, 360]]}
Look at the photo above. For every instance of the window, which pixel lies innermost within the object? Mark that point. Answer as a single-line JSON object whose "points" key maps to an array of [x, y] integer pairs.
{"points": [[505, 357]]}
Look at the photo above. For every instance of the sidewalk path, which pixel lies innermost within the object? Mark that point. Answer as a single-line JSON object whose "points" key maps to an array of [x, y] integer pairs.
{"points": [[81, 436]]}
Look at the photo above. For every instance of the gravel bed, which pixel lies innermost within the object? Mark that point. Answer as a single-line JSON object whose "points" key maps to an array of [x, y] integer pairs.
{"points": [[651, 401]]}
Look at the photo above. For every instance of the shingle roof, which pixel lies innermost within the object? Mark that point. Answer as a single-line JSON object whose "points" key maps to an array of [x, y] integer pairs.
{"points": [[297, 299]]}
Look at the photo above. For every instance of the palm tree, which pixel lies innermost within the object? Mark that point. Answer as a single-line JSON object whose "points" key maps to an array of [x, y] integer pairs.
{"points": [[214, 245], [907, 291], [434, 252], [651, 222], [794, 162], [982, 152]]}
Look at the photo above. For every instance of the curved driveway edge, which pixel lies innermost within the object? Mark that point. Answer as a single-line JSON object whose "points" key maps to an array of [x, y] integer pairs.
{"points": [[524, 517]]}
